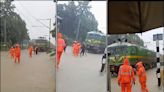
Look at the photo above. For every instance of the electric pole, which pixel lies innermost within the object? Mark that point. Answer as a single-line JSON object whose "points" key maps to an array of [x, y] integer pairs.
{"points": [[77, 35], [49, 31]]}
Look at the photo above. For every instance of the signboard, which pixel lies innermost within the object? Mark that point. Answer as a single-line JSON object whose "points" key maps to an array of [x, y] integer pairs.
{"points": [[157, 37]]}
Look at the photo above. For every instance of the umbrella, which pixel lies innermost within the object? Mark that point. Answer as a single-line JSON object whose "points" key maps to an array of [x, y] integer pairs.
{"points": [[134, 16]]}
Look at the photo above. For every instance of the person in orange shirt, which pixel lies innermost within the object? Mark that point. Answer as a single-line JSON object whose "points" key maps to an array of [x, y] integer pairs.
{"points": [[74, 48], [12, 52], [78, 48], [60, 47], [17, 53], [126, 76], [73, 45], [142, 76], [30, 49]]}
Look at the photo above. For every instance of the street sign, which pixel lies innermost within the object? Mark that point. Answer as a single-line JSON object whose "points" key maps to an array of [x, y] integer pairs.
{"points": [[157, 37]]}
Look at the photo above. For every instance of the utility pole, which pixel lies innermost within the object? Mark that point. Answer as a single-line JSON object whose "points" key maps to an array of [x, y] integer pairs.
{"points": [[49, 31], [49, 28], [77, 35], [4, 30], [157, 38], [4, 22]]}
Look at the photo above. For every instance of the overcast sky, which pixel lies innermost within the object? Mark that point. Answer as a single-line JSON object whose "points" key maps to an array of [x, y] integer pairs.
{"points": [[32, 10]]}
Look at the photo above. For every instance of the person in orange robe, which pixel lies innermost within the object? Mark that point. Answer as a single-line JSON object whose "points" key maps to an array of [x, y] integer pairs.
{"points": [[60, 47], [78, 48], [126, 76], [30, 49], [12, 52], [74, 48], [17, 53], [142, 76]]}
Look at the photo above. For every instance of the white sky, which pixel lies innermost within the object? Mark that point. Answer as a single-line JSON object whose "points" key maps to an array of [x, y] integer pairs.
{"points": [[98, 8], [46, 9], [30, 11], [148, 39]]}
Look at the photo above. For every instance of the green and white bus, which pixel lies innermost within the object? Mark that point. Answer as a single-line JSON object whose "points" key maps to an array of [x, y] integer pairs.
{"points": [[95, 42]]}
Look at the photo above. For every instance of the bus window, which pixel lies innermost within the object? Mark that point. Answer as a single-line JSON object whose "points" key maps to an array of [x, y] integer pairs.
{"points": [[118, 50]]}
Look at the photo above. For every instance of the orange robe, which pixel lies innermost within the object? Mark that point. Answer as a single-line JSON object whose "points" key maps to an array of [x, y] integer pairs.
{"points": [[30, 49], [12, 52], [126, 76], [142, 77], [17, 54], [60, 48]]}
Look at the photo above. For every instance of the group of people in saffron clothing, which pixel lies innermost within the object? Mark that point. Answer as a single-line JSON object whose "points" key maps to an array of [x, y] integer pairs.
{"points": [[77, 48], [15, 52], [126, 76]]}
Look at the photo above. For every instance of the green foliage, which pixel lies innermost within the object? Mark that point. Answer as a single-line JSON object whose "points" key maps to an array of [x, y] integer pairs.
{"points": [[71, 14], [16, 30]]}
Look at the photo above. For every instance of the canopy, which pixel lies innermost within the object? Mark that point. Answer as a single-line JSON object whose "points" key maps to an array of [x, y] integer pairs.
{"points": [[134, 16]]}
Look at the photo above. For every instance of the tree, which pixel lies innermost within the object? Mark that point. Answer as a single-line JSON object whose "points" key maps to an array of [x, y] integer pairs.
{"points": [[71, 15], [16, 30]]}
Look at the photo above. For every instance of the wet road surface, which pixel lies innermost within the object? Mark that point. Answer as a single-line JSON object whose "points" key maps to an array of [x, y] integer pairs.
{"points": [[81, 74], [36, 74]]}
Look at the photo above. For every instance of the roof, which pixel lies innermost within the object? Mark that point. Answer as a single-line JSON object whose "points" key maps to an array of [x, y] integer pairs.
{"points": [[96, 32], [134, 16], [124, 44]]}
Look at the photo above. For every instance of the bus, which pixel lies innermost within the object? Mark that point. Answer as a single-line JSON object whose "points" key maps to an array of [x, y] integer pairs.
{"points": [[95, 42]]}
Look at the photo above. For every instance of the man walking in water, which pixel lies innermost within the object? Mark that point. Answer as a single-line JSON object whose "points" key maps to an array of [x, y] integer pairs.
{"points": [[17, 53], [60, 47]]}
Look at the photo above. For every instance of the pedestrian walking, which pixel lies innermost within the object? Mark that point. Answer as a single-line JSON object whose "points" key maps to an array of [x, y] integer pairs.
{"points": [[78, 49], [11, 51], [83, 49], [60, 48], [65, 45], [73, 48], [142, 76], [126, 76], [103, 62], [17, 53], [30, 49], [36, 50]]}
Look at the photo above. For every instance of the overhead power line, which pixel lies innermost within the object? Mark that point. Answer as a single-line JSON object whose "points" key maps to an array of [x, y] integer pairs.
{"points": [[27, 19], [24, 16], [33, 16]]}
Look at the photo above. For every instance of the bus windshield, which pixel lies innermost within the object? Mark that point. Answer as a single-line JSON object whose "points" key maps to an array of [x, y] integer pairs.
{"points": [[94, 36]]}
